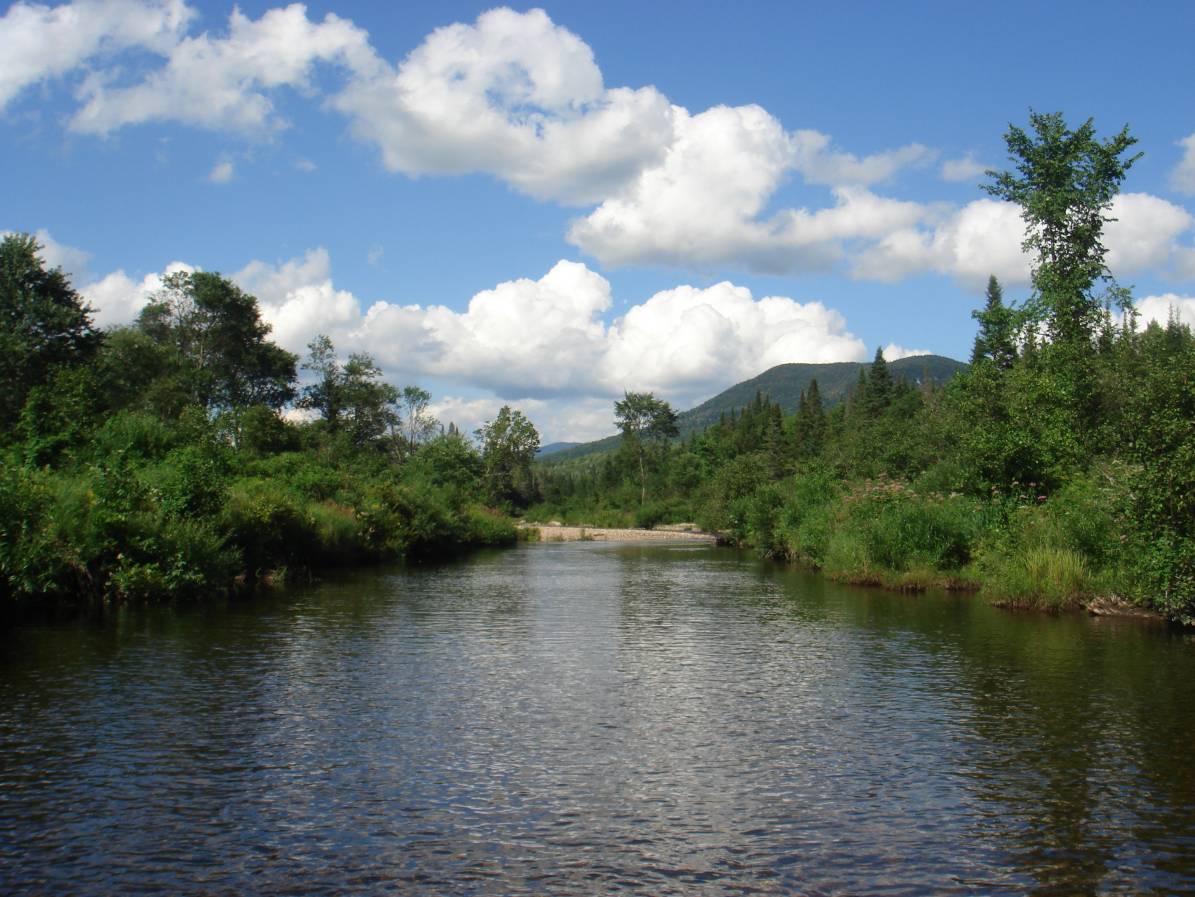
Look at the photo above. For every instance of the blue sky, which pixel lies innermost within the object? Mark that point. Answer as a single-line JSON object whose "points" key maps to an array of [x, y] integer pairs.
{"points": [[546, 207]]}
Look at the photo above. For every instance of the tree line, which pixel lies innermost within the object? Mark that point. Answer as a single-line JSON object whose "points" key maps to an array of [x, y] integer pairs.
{"points": [[158, 459], [1058, 468]]}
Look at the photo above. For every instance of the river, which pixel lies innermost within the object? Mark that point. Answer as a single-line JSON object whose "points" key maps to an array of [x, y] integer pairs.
{"points": [[592, 718]]}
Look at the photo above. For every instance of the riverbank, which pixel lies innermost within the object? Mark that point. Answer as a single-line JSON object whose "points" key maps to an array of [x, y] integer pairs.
{"points": [[556, 532]]}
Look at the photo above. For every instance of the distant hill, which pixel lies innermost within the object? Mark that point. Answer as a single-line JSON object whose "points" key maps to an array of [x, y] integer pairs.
{"points": [[552, 447], [783, 385]]}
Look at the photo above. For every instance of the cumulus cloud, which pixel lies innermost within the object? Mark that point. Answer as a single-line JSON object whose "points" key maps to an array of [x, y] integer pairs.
{"points": [[116, 298], [514, 95], [701, 206], [543, 343], [1160, 308], [521, 98], [224, 82], [1145, 233], [298, 299], [984, 237], [895, 352], [964, 169], [40, 42], [1182, 178], [548, 337], [820, 164]]}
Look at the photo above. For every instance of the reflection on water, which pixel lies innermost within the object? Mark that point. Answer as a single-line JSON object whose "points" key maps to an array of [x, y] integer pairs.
{"points": [[583, 718]]}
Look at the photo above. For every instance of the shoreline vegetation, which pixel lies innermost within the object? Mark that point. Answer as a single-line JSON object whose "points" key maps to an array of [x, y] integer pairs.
{"points": [[1056, 472], [182, 456], [155, 461]]}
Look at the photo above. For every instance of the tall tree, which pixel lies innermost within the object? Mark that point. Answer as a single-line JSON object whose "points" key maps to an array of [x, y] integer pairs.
{"points": [[221, 344], [508, 446], [880, 388], [44, 323], [418, 423], [645, 422], [1065, 182], [352, 398]]}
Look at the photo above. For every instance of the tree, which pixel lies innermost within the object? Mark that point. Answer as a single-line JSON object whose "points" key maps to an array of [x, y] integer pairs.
{"points": [[369, 403], [508, 446], [418, 425], [226, 361], [1065, 182], [996, 340], [324, 395], [352, 398], [645, 421], [810, 423], [44, 323], [880, 387]]}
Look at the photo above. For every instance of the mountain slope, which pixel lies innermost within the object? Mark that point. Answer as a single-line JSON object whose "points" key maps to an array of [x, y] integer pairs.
{"points": [[783, 384]]}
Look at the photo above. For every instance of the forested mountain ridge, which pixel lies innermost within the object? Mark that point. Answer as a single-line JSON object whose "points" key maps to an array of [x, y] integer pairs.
{"points": [[783, 385]]}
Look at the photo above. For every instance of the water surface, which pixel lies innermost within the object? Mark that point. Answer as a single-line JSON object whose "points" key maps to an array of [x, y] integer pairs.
{"points": [[590, 718]]}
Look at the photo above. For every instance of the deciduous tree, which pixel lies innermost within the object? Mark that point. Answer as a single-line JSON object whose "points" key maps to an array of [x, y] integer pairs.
{"points": [[44, 323], [645, 421]]}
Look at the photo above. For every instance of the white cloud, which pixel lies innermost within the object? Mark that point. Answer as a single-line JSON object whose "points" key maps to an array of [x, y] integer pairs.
{"points": [[1160, 308], [116, 298], [964, 169], [298, 299], [689, 341], [822, 165], [222, 173], [223, 82], [71, 260], [984, 237], [515, 95], [375, 254], [1182, 178], [573, 419], [542, 344], [306, 166], [39, 42], [895, 352], [547, 337], [1145, 233], [701, 207]]}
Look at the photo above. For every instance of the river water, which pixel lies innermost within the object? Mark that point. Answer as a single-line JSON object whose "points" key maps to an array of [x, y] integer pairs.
{"points": [[590, 718]]}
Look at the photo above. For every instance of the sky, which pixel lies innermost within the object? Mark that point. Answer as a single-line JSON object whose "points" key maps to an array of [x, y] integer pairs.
{"points": [[546, 207]]}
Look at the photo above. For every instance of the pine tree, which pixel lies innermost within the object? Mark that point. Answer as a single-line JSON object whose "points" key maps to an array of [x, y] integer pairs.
{"points": [[996, 339]]}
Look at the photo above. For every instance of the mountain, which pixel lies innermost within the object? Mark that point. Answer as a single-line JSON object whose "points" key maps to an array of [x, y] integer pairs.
{"points": [[783, 384], [552, 447]]}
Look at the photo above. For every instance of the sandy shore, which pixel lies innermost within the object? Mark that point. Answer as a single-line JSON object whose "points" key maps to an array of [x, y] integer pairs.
{"points": [[557, 533]]}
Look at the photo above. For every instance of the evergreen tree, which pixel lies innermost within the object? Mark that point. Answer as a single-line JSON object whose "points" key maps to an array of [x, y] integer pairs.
{"points": [[880, 388], [996, 340]]}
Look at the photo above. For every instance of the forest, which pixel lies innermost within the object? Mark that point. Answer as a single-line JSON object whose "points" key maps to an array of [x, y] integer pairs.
{"points": [[1057, 470], [155, 460], [187, 454]]}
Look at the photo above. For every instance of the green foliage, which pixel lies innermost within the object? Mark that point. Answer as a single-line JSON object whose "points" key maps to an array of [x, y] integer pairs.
{"points": [[999, 328], [218, 343], [160, 467], [44, 324], [508, 446], [1065, 182], [646, 424]]}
